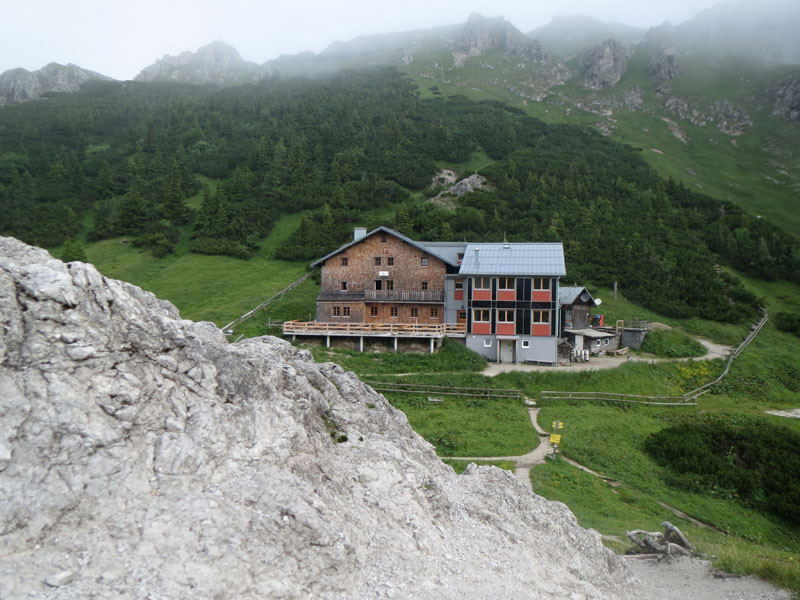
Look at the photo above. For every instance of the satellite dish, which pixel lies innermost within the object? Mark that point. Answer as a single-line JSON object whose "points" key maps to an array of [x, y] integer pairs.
{"points": [[598, 302], [585, 296]]}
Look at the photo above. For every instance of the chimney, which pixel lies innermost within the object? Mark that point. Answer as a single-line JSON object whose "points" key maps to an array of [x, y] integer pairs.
{"points": [[358, 233]]}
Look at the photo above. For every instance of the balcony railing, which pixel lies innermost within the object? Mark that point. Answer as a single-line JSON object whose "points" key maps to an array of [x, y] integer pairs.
{"points": [[404, 295], [375, 329]]}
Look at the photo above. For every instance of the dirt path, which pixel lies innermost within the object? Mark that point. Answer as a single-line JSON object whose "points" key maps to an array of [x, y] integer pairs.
{"points": [[598, 363], [524, 462], [676, 579]]}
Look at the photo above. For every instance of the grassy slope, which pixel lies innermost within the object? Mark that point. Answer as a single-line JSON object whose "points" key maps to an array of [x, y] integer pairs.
{"points": [[204, 288], [758, 170]]}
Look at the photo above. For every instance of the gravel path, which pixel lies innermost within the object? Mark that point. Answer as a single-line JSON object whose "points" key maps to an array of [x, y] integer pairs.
{"points": [[674, 579], [598, 363]]}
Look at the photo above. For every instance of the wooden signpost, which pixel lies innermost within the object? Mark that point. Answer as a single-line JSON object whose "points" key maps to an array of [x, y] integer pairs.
{"points": [[555, 437]]}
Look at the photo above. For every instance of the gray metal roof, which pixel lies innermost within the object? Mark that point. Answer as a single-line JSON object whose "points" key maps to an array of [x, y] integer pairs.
{"points": [[590, 333], [448, 250], [514, 259], [568, 294], [396, 234]]}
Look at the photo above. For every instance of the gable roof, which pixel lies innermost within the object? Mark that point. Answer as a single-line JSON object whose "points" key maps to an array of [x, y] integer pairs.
{"points": [[514, 259], [397, 234], [569, 294]]}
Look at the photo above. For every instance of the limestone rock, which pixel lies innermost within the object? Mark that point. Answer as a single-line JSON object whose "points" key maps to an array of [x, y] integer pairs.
{"points": [[481, 34], [20, 85], [605, 64], [170, 461], [784, 95], [216, 62]]}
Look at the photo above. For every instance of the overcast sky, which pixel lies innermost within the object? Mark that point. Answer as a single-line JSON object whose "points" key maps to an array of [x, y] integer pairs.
{"points": [[119, 38]]}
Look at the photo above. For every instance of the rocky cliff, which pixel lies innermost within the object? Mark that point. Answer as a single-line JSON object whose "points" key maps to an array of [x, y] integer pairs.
{"points": [[481, 34], [784, 96], [216, 62], [19, 85], [605, 64], [142, 455]]}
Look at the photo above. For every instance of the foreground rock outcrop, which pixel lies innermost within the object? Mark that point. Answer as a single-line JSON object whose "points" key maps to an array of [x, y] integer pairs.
{"points": [[143, 456]]}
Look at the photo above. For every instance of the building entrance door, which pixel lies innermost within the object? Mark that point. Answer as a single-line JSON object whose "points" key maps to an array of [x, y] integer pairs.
{"points": [[506, 351]]}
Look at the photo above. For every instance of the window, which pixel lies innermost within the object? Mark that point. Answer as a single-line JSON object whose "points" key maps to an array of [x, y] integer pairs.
{"points": [[526, 343], [373, 311], [424, 285], [346, 311], [487, 343], [481, 315], [343, 286], [390, 261], [378, 285], [377, 261], [541, 316], [389, 284], [434, 312], [462, 315], [483, 283], [383, 238], [414, 312], [393, 311], [459, 284], [460, 258], [505, 316], [505, 283], [424, 261], [344, 261], [605, 342], [541, 283], [597, 343], [337, 312]]}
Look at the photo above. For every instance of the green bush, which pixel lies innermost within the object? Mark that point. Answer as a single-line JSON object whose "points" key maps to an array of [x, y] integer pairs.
{"points": [[672, 344], [749, 460], [204, 245]]}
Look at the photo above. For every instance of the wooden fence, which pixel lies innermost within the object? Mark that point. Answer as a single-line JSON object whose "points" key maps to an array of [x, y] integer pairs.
{"points": [[441, 390], [266, 302], [688, 399], [614, 397]]}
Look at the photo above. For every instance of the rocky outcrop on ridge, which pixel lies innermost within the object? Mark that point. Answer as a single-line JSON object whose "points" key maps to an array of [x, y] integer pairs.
{"points": [[140, 454], [481, 34], [216, 62], [20, 85], [784, 96], [605, 64]]}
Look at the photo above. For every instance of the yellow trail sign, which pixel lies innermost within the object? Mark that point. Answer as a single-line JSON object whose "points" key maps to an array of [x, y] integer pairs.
{"points": [[555, 438]]}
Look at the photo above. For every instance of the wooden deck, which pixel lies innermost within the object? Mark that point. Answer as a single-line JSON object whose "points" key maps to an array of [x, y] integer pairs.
{"points": [[390, 330]]}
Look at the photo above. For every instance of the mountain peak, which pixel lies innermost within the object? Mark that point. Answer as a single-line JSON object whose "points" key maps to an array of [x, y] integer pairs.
{"points": [[481, 34], [216, 62], [20, 85]]}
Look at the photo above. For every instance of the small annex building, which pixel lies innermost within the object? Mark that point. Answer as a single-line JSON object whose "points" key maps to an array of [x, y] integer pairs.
{"points": [[502, 299]]}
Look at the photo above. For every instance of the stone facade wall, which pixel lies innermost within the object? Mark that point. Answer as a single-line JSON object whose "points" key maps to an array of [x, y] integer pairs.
{"points": [[400, 262]]}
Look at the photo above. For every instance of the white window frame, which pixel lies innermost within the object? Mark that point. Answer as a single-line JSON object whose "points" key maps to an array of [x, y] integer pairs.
{"points": [[526, 343], [488, 315], [505, 310], [506, 279], [487, 342]]}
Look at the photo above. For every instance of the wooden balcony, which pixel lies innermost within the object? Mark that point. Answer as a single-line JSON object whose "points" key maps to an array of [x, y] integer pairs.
{"points": [[403, 296], [383, 296], [405, 330]]}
